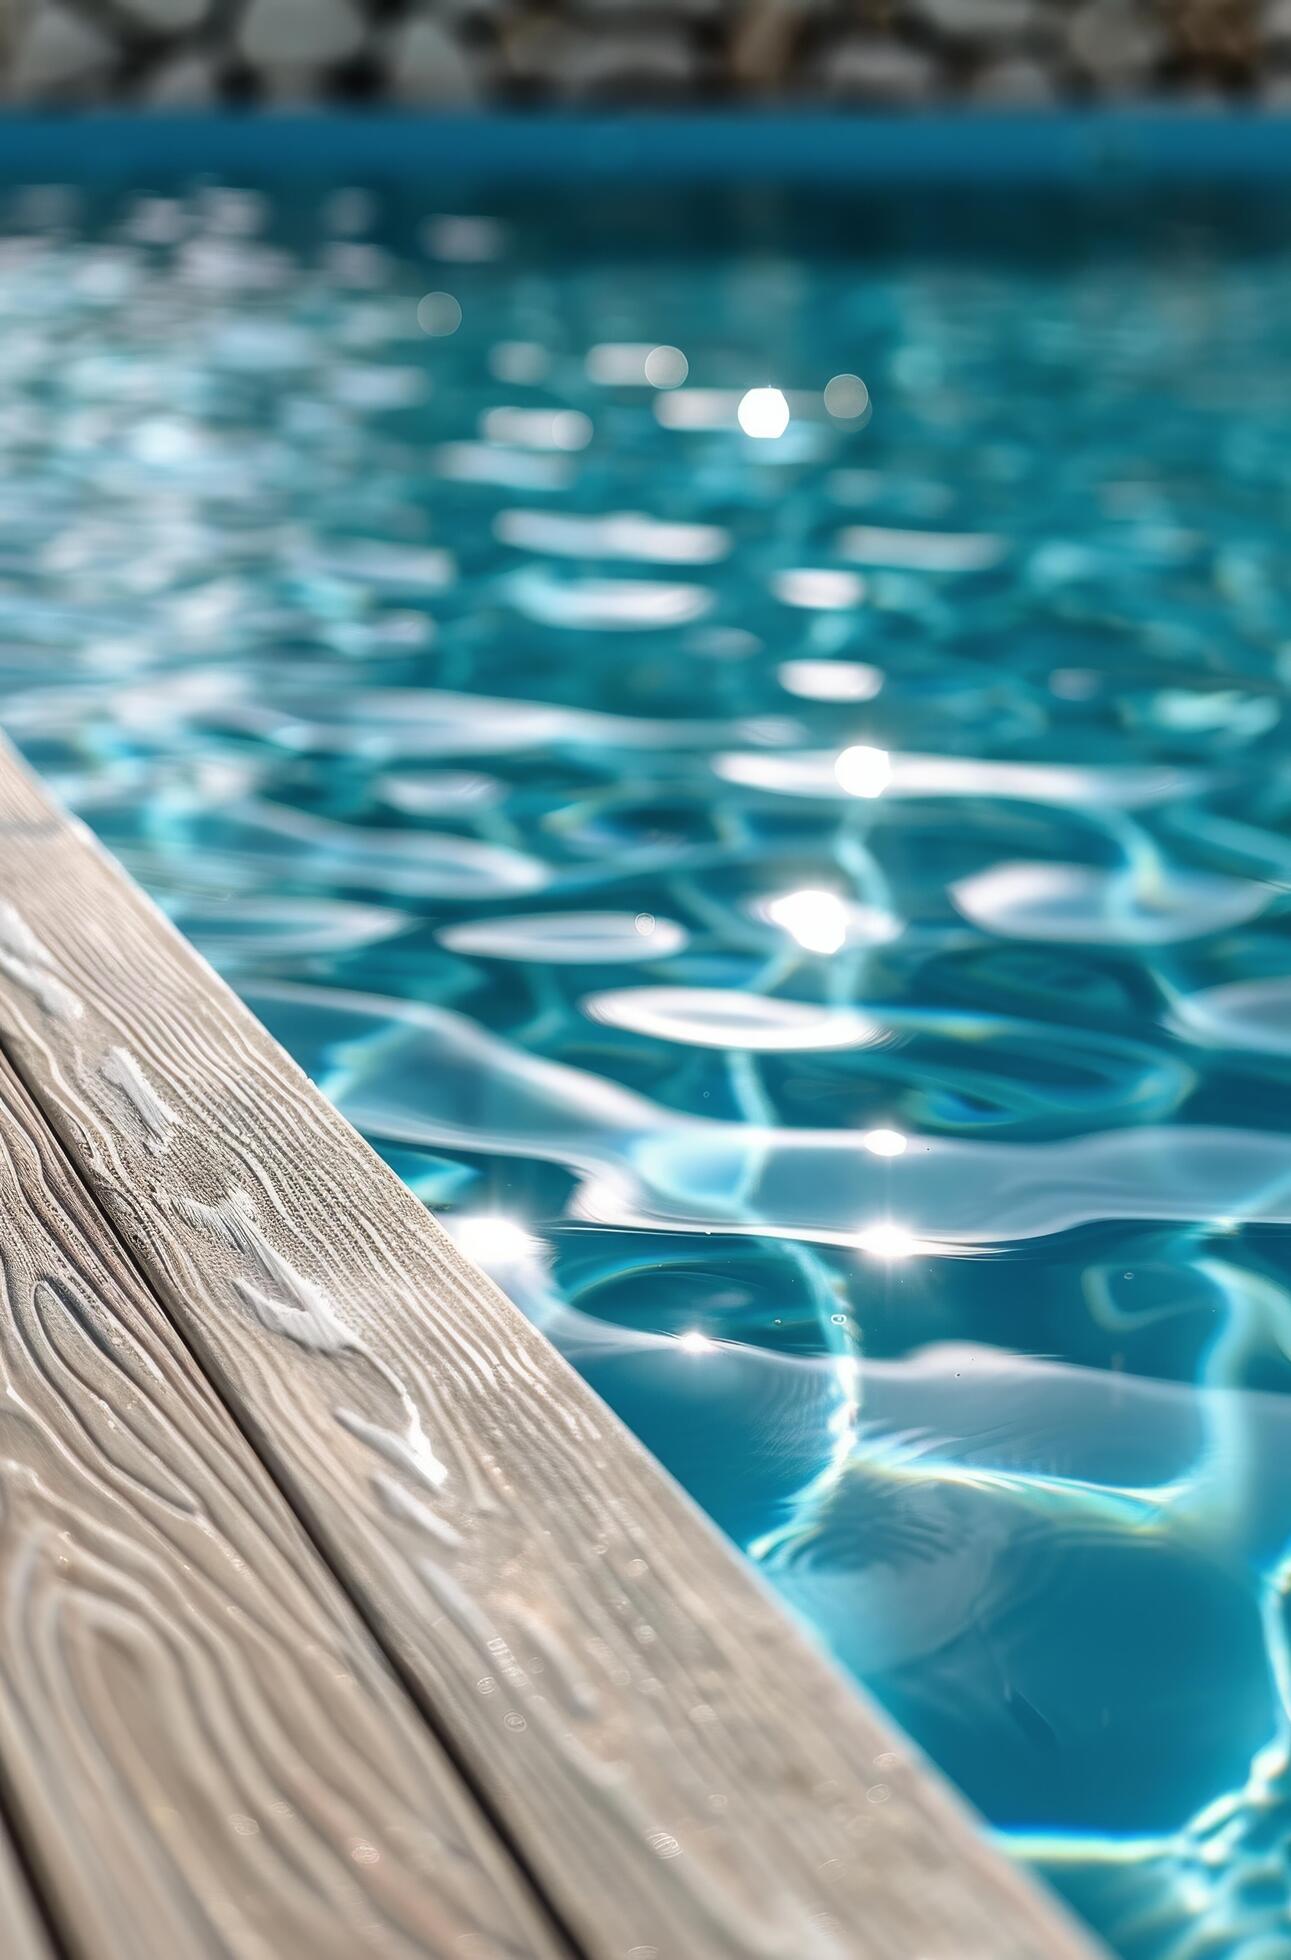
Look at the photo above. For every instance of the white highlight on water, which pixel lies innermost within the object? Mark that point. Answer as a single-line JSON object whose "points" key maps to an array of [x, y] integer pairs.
{"points": [[726, 1017], [569, 938], [863, 771], [818, 920], [763, 412]]}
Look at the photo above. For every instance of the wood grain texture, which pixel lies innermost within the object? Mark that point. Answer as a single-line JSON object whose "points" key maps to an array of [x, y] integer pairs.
{"points": [[202, 1750], [686, 1776], [22, 1936]]}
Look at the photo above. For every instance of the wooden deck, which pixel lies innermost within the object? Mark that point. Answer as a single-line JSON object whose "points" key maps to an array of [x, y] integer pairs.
{"points": [[337, 1616]]}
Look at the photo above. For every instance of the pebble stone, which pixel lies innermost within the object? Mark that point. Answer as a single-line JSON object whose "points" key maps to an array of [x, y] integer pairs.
{"points": [[1014, 83], [1115, 41], [165, 16], [978, 22], [58, 55], [428, 64], [184, 81], [300, 34], [628, 64], [899, 54], [862, 68]]}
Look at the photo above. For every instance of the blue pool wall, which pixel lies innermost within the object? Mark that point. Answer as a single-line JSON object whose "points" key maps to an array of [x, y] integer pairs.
{"points": [[1117, 148]]}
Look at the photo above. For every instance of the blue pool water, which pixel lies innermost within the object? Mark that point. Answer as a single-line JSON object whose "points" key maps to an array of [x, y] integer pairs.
{"points": [[809, 910]]}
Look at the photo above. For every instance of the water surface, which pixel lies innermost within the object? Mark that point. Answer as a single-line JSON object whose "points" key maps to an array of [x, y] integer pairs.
{"points": [[809, 910]]}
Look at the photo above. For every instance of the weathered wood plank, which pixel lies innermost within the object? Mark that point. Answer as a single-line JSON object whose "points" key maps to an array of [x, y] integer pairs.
{"points": [[685, 1774], [202, 1749], [22, 1936]]}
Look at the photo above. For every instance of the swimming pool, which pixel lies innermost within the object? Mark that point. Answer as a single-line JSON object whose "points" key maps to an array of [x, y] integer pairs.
{"points": [[742, 741]]}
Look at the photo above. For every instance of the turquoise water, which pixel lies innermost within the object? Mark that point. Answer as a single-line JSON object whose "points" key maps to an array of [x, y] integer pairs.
{"points": [[808, 910]]}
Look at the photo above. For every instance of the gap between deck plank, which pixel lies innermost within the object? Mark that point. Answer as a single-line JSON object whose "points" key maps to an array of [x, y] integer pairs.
{"points": [[685, 1774], [201, 1752]]}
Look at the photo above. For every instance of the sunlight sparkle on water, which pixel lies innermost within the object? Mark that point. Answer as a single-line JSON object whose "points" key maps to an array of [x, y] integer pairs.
{"points": [[763, 412], [816, 919], [887, 1241], [863, 771], [493, 1239]]}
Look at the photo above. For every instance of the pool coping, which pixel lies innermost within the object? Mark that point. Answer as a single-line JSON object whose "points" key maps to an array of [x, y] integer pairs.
{"points": [[675, 1766]]}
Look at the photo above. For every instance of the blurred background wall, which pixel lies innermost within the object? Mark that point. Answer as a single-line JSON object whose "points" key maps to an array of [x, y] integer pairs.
{"points": [[462, 53]]}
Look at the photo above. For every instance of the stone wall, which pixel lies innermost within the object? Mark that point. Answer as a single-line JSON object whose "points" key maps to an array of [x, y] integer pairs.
{"points": [[460, 53]]}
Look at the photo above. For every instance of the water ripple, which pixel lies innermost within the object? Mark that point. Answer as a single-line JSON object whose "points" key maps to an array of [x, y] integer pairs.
{"points": [[757, 775]]}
